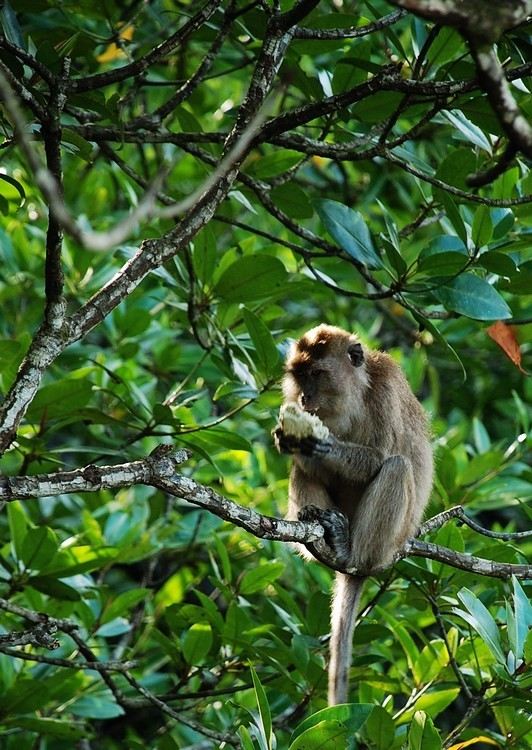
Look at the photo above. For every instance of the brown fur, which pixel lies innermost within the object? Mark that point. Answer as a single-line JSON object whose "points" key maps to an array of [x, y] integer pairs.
{"points": [[377, 470]]}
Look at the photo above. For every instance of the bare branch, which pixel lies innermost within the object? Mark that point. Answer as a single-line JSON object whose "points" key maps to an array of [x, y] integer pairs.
{"points": [[500, 202], [42, 634], [97, 666], [486, 176], [465, 561], [159, 465], [158, 470], [483, 21], [458, 512], [350, 32]]}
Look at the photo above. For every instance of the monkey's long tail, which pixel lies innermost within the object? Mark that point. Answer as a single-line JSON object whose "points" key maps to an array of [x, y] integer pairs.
{"points": [[345, 603]]}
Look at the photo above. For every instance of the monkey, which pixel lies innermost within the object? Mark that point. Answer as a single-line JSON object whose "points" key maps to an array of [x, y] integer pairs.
{"points": [[367, 481]]}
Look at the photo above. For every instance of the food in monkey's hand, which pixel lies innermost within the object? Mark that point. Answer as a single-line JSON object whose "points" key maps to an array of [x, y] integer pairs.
{"points": [[298, 423]]}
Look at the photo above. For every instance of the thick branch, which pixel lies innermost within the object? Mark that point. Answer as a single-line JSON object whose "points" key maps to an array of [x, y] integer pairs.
{"points": [[159, 470], [158, 466], [465, 561], [484, 21], [493, 81]]}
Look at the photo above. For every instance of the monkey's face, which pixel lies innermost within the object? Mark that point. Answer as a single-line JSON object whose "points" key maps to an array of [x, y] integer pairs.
{"points": [[326, 376], [325, 387]]}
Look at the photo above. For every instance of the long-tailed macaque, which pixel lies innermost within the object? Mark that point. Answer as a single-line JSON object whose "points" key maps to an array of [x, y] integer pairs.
{"points": [[368, 480]]}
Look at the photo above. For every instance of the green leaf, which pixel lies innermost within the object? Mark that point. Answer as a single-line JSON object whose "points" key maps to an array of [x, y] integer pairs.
{"points": [[442, 264], [39, 547], [327, 735], [55, 588], [394, 256], [11, 26], [216, 438], [454, 170], [79, 145], [16, 184], [447, 45], [481, 620], [197, 643], [431, 703], [251, 277], [503, 220], [376, 108], [81, 559], [18, 526], [67, 730], [115, 627], [430, 662], [256, 579], [482, 228], [349, 230], [205, 254], [60, 399], [99, 705], [473, 297], [380, 729], [499, 263], [335, 721], [291, 199], [519, 621], [123, 602], [264, 711], [422, 734], [481, 436], [245, 738], [453, 214], [267, 354], [273, 164], [472, 132]]}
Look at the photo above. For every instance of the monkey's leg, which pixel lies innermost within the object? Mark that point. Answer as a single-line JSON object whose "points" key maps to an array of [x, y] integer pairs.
{"points": [[383, 520], [334, 548], [310, 501]]}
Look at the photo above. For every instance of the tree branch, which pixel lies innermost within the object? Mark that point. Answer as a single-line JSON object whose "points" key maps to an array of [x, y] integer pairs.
{"points": [[458, 512], [350, 32], [159, 470]]}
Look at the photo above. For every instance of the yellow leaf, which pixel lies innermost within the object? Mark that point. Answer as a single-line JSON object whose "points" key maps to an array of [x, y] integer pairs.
{"points": [[467, 743], [113, 51], [319, 161]]}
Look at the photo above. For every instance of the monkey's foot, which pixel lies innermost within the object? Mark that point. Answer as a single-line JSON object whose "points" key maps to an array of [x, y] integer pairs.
{"points": [[336, 536]]}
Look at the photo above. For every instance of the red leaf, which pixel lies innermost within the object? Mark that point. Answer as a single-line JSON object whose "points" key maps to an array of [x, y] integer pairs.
{"points": [[504, 336]]}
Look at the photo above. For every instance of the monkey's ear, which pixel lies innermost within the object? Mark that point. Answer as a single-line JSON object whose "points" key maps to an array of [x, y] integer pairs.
{"points": [[356, 355]]}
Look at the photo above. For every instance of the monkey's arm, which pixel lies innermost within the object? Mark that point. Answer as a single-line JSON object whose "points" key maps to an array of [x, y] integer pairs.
{"points": [[351, 461]]}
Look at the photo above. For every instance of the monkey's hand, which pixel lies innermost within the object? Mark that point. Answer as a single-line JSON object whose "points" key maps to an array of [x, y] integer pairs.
{"points": [[306, 446], [336, 536]]}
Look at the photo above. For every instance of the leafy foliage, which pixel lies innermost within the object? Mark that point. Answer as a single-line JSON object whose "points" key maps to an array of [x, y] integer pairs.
{"points": [[177, 629]]}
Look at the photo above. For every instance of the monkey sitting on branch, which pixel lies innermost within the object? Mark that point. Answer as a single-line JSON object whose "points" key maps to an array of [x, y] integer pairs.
{"points": [[362, 466]]}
